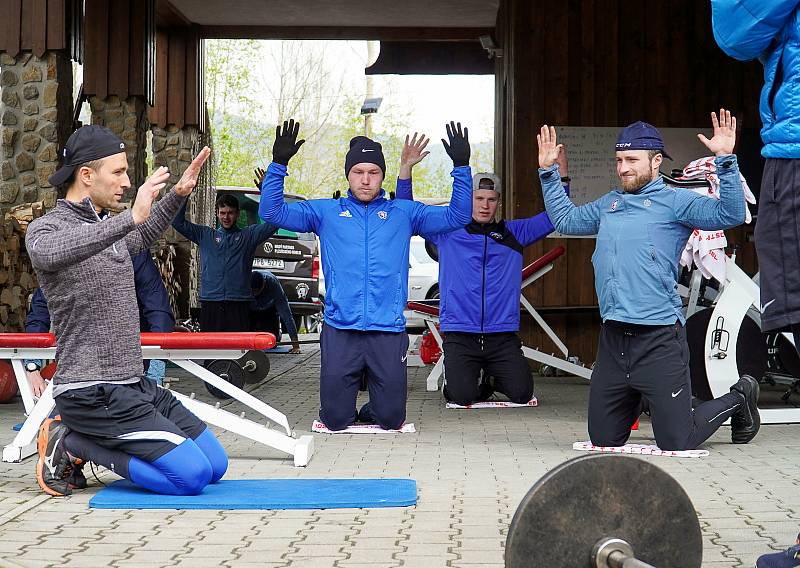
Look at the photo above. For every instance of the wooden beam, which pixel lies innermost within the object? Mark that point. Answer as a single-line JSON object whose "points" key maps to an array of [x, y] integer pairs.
{"points": [[56, 24], [119, 28], [168, 16], [319, 32], [38, 27]]}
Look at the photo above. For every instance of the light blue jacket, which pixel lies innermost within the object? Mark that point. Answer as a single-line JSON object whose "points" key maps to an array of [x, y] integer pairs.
{"points": [[640, 237], [365, 245], [770, 31]]}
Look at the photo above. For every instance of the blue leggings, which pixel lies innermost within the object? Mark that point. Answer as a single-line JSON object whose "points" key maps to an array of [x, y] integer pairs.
{"points": [[184, 470]]}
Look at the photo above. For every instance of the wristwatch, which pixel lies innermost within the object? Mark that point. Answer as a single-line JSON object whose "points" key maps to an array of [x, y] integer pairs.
{"points": [[31, 366]]}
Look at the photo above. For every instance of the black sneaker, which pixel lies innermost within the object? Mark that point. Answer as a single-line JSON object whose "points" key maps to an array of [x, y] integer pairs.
{"points": [[746, 421], [76, 479], [53, 468]]}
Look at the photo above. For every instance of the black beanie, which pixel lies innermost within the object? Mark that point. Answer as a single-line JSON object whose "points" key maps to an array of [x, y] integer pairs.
{"points": [[363, 150]]}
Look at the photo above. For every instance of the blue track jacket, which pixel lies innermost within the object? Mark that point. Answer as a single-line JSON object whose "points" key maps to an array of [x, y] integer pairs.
{"points": [[226, 257], [640, 237], [480, 271], [365, 245], [770, 31]]}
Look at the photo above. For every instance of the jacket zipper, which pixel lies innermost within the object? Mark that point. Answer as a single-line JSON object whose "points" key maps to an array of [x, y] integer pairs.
{"points": [[366, 263], [483, 285]]}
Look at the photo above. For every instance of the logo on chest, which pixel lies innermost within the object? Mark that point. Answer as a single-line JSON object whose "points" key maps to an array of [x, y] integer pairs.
{"points": [[383, 215], [614, 204], [496, 236], [345, 213]]}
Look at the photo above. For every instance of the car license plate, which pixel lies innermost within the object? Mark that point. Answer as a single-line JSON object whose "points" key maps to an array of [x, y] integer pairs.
{"points": [[268, 263]]}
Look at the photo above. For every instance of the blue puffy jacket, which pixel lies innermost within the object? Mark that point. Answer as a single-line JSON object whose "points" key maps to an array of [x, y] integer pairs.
{"points": [[226, 257], [640, 237], [770, 31], [365, 245], [480, 271]]}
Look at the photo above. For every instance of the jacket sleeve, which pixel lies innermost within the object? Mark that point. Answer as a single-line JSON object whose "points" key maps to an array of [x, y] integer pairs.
{"points": [[53, 247], [161, 215], [303, 216], [154, 307], [191, 231], [709, 214], [528, 231], [431, 219], [566, 217], [744, 28], [38, 319], [260, 233], [404, 189]]}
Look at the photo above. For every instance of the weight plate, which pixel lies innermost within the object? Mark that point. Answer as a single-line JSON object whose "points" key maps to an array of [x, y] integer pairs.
{"points": [[600, 496], [228, 370], [255, 365]]}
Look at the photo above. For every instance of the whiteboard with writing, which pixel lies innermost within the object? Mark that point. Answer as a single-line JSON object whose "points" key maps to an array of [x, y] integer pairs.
{"points": [[591, 150]]}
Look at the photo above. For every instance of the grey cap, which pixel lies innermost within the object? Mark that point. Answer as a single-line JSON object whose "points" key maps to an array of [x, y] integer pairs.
{"points": [[494, 178]]}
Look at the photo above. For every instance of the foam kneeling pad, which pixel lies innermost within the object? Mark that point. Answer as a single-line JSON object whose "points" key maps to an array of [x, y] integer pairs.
{"points": [[640, 449]]}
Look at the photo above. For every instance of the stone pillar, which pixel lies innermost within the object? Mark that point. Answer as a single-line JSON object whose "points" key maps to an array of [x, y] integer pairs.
{"points": [[127, 119], [174, 148], [35, 121]]}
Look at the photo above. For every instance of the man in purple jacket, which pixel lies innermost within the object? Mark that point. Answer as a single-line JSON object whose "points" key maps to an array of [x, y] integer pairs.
{"points": [[480, 278]]}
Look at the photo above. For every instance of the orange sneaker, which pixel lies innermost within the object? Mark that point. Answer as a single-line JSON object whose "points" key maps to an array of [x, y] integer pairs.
{"points": [[54, 467]]}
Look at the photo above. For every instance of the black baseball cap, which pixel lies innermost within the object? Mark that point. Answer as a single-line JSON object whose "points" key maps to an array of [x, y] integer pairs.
{"points": [[641, 136], [88, 143]]}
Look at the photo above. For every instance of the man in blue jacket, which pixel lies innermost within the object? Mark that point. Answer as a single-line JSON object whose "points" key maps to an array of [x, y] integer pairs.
{"points": [[770, 31], [480, 279], [641, 230], [365, 244], [226, 259]]}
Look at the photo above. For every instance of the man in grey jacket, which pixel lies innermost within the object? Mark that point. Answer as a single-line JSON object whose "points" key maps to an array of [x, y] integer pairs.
{"points": [[110, 414]]}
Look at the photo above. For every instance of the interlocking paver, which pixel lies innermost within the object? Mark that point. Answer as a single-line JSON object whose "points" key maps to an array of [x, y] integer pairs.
{"points": [[472, 469]]}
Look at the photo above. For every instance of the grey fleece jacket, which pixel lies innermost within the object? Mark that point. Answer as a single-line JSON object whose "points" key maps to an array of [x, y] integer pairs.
{"points": [[84, 269]]}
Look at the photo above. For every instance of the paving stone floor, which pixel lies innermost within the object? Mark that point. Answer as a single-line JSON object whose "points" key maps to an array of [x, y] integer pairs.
{"points": [[472, 469]]}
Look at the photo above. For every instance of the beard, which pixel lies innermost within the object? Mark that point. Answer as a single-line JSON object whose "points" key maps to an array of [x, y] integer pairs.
{"points": [[632, 185]]}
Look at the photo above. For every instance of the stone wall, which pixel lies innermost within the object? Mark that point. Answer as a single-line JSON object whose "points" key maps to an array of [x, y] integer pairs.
{"points": [[35, 121], [35, 94], [174, 148], [127, 118]]}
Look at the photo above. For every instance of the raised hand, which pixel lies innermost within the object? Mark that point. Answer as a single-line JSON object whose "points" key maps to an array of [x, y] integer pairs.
{"points": [[724, 138], [147, 194], [458, 148], [259, 173], [413, 150], [286, 143], [188, 180], [549, 149], [412, 154]]}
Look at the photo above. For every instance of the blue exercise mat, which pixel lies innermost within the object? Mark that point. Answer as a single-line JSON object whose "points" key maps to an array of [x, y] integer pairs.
{"points": [[17, 427], [267, 494]]}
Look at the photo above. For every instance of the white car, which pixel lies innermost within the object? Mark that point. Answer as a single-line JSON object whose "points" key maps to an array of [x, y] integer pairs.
{"points": [[423, 278]]}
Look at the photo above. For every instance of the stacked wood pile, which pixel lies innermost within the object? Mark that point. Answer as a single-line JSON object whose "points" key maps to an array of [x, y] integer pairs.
{"points": [[17, 279], [164, 255]]}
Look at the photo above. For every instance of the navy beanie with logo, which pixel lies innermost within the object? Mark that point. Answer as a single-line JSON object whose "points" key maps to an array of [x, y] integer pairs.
{"points": [[364, 150], [641, 136]]}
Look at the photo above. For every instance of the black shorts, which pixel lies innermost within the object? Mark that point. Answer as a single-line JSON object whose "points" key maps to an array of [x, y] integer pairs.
{"points": [[778, 244], [140, 419]]}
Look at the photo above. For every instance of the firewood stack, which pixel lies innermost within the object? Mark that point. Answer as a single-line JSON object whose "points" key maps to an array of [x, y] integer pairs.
{"points": [[17, 279], [164, 255]]}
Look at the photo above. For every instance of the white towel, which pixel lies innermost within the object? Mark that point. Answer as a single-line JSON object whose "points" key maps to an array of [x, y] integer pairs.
{"points": [[319, 427], [706, 249], [495, 404], [641, 449]]}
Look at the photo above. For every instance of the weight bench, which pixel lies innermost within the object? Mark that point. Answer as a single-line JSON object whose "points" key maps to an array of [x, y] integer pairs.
{"points": [[180, 348], [429, 312]]}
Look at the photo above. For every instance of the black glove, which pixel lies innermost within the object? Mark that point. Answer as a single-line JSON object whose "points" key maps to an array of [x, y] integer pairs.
{"points": [[458, 149], [286, 144]]}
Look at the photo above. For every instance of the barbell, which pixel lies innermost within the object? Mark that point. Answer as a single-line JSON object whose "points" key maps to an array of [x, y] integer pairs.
{"points": [[605, 511]]}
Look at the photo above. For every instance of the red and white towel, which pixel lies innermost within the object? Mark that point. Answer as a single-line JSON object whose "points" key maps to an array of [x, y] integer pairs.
{"points": [[706, 249]]}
